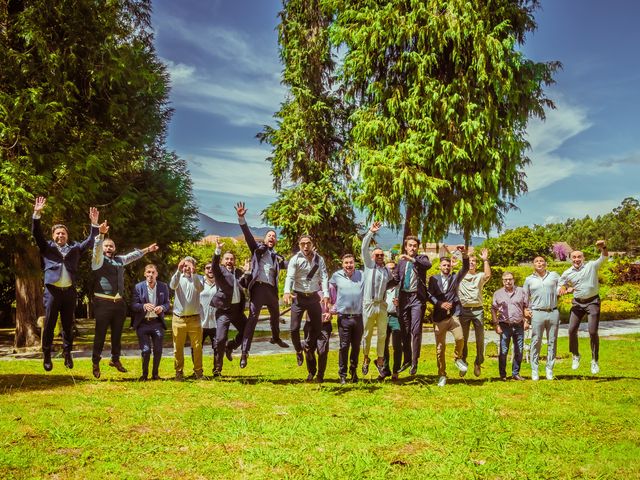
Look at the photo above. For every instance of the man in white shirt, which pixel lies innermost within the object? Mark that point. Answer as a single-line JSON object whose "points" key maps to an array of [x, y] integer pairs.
{"points": [[306, 275], [186, 316], [582, 280]]}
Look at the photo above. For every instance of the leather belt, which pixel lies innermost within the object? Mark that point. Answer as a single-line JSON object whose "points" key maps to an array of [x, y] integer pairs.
{"points": [[544, 309], [109, 299], [586, 300]]}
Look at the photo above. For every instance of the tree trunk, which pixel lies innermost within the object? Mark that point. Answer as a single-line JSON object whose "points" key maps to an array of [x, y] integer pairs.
{"points": [[29, 304]]}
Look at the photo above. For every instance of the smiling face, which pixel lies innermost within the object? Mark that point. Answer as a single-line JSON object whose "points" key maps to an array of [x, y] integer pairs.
{"points": [[577, 258], [189, 268], [208, 271], [60, 236], [150, 275], [109, 247], [270, 239], [349, 265], [473, 264], [378, 256], [507, 281], [229, 261], [445, 266]]}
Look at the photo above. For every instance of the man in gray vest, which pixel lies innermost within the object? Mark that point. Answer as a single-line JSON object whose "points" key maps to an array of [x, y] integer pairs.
{"points": [[109, 308]]}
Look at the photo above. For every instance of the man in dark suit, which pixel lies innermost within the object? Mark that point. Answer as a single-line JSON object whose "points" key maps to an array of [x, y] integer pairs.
{"points": [[229, 302], [109, 309], [443, 294], [411, 275], [263, 285], [60, 261], [150, 303]]}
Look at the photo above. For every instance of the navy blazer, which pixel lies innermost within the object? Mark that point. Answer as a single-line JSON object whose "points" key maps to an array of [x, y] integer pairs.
{"points": [[141, 296], [52, 259], [421, 265], [257, 250], [437, 295], [224, 281]]}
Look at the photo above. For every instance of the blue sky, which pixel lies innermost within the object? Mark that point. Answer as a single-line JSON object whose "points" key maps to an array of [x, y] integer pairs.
{"points": [[225, 71]]}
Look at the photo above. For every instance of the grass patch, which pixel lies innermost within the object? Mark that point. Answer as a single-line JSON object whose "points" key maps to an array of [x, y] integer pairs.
{"points": [[265, 422]]}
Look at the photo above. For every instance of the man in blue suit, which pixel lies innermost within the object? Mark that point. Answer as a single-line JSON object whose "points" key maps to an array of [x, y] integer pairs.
{"points": [[228, 301], [411, 275], [150, 303], [60, 262], [443, 294], [263, 285]]}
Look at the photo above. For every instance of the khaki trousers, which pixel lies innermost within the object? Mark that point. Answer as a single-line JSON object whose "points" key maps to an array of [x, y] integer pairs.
{"points": [[449, 324], [375, 315], [182, 328]]}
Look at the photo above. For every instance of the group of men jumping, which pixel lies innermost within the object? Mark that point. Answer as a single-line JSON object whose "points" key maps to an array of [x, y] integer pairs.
{"points": [[386, 297]]}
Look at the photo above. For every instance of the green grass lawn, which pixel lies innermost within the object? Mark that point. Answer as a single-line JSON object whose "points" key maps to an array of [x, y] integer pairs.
{"points": [[265, 422]]}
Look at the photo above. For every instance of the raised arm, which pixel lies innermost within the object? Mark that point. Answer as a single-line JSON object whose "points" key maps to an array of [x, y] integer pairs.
{"points": [[366, 241], [484, 256], [604, 253], [137, 254], [97, 259], [87, 243], [248, 237], [36, 228]]}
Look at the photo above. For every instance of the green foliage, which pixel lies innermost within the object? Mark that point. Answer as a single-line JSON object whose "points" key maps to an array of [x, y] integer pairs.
{"points": [[440, 96], [519, 245], [309, 175]]}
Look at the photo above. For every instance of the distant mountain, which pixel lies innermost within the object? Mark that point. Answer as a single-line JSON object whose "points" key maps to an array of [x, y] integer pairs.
{"points": [[386, 238]]}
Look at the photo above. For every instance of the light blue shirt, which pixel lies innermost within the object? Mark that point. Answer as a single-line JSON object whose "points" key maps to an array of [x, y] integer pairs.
{"points": [[583, 280], [349, 292], [542, 291]]}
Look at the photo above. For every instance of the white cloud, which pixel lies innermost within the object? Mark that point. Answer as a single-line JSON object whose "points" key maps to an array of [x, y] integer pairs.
{"points": [[546, 137]]}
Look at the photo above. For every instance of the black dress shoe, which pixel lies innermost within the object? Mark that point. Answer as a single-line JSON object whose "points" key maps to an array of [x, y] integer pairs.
{"points": [[365, 367], [96, 370], [343, 380], [414, 369], [320, 379], [503, 379], [404, 366], [46, 362], [143, 378], [310, 377], [354, 377], [279, 342], [68, 359], [300, 358], [243, 360], [156, 377], [118, 366], [217, 373], [518, 377], [228, 352]]}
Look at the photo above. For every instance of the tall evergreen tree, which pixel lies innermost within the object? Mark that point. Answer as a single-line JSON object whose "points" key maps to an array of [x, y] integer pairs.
{"points": [[309, 174], [83, 104], [442, 96]]}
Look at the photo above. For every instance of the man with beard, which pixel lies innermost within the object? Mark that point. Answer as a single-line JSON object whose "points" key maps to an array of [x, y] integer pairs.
{"points": [[263, 286], [109, 308]]}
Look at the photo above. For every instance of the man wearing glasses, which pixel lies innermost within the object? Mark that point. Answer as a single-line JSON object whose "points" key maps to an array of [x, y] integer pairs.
{"points": [[509, 312]]}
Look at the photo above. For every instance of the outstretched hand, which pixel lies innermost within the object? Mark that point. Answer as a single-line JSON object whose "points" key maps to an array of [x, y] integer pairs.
{"points": [[94, 214], [219, 242], [241, 210], [484, 254], [152, 248], [39, 204], [375, 226], [103, 228]]}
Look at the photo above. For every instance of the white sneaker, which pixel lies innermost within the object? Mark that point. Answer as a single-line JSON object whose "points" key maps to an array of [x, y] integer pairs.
{"points": [[462, 366], [576, 362], [534, 376], [549, 373], [442, 381], [477, 370], [595, 369]]}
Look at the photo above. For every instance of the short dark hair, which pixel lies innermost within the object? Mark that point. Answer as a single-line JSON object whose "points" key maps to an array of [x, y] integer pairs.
{"points": [[348, 255], [411, 237], [57, 226], [445, 259], [305, 235], [230, 253]]}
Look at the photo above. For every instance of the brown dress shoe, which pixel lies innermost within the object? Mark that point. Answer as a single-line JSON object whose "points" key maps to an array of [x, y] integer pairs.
{"points": [[518, 377], [118, 366], [96, 370]]}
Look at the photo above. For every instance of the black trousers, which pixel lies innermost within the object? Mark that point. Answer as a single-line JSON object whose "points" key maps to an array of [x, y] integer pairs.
{"points": [[318, 365], [150, 337], [58, 301], [209, 333], [350, 330], [309, 303], [235, 316], [396, 341], [261, 294], [579, 308], [411, 310], [108, 314]]}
